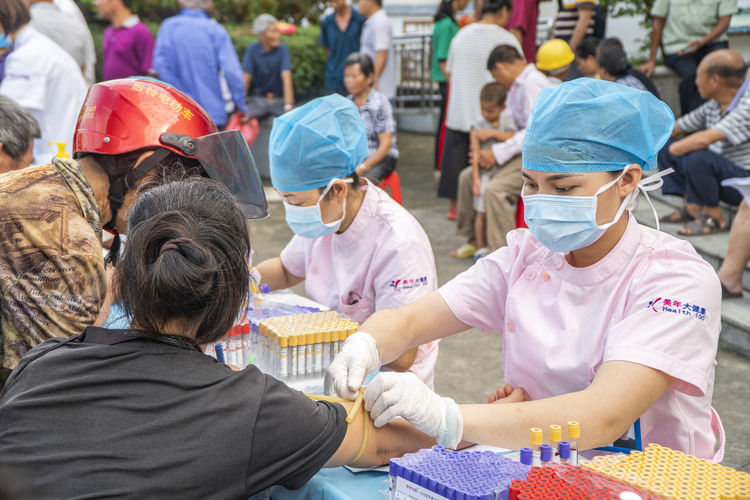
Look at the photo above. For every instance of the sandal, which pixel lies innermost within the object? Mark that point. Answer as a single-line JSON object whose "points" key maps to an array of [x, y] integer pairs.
{"points": [[726, 294], [684, 216], [464, 251], [482, 252], [703, 225]]}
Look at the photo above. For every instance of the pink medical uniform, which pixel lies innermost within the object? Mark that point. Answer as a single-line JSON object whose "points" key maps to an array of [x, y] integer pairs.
{"points": [[658, 306], [382, 261]]}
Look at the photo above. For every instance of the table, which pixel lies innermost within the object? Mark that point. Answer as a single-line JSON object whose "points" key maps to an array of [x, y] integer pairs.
{"points": [[334, 484]]}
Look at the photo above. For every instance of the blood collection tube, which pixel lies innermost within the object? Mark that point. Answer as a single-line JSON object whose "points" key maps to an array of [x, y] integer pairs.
{"points": [[326, 349], [232, 351], [555, 436], [246, 343], [219, 352], [309, 368], [536, 441], [318, 354], [564, 452], [292, 357], [283, 363], [526, 456], [262, 350], [545, 454], [301, 343], [273, 358], [574, 432], [334, 344]]}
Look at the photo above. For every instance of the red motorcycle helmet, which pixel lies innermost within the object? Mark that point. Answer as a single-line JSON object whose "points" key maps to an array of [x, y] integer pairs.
{"points": [[130, 115]]}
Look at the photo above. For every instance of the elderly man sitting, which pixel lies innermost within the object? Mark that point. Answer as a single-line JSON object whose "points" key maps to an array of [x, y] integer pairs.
{"points": [[717, 145], [266, 63], [17, 132]]}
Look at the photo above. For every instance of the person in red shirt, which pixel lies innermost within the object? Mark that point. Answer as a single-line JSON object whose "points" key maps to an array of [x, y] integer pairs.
{"points": [[523, 25]]}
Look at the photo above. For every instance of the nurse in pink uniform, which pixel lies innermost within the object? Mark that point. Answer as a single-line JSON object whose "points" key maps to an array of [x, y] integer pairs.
{"points": [[604, 321], [356, 249]]}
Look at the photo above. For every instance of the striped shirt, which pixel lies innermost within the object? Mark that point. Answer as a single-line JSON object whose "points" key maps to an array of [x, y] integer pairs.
{"points": [[734, 124], [467, 64], [567, 17]]}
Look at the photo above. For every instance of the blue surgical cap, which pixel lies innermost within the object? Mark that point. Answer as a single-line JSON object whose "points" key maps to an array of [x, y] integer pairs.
{"points": [[324, 139], [590, 125]]}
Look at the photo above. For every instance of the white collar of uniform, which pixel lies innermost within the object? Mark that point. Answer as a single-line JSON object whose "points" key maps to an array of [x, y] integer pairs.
{"points": [[131, 22], [361, 221], [26, 34], [591, 275]]}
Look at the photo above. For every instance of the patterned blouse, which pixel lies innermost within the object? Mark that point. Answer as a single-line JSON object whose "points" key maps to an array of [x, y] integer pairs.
{"points": [[378, 117]]}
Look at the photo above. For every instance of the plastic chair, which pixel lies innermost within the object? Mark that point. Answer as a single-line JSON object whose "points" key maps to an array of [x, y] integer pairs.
{"points": [[520, 222], [394, 182]]}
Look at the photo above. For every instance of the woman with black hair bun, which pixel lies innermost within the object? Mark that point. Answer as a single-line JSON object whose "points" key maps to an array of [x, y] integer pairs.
{"points": [[142, 412]]}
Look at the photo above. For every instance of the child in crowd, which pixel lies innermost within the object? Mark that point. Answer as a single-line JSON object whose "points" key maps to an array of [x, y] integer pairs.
{"points": [[586, 57], [494, 127]]}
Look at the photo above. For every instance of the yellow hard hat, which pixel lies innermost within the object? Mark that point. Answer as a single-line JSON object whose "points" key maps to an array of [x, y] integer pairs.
{"points": [[554, 54]]}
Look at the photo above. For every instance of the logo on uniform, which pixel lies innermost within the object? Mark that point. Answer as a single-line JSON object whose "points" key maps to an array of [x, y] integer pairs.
{"points": [[678, 307], [408, 284]]}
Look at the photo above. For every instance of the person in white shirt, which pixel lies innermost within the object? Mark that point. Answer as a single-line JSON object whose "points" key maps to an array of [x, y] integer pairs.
{"points": [[466, 72], [376, 41], [524, 82], [63, 29], [69, 7], [43, 78]]}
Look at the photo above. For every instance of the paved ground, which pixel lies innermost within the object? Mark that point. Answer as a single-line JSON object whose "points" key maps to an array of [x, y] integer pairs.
{"points": [[470, 364]]}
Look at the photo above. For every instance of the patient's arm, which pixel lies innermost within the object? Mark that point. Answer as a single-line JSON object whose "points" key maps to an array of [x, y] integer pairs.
{"points": [[392, 440]]}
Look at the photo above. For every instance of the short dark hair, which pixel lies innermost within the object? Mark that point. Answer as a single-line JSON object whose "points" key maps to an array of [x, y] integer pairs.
{"points": [[203, 277], [612, 41], [13, 15], [614, 60], [494, 93], [17, 128], [587, 47], [733, 76], [379, 3], [503, 54], [354, 176], [364, 61], [495, 6], [128, 3]]}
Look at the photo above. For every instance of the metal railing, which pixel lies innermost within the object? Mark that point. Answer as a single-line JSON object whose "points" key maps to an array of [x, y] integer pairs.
{"points": [[413, 65]]}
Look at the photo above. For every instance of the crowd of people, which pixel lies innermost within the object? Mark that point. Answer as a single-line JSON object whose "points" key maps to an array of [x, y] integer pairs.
{"points": [[564, 131]]}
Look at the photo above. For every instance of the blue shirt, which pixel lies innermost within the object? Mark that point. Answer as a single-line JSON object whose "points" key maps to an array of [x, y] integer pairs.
{"points": [[341, 45], [266, 67], [191, 49]]}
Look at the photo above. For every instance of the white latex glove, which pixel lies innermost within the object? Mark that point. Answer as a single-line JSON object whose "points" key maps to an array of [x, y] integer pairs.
{"points": [[392, 395], [359, 356]]}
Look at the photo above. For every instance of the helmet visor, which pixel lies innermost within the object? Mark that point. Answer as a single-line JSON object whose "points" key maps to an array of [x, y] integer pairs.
{"points": [[226, 158]]}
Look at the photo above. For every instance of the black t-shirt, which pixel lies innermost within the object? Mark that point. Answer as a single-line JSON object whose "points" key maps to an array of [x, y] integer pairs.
{"points": [[142, 419]]}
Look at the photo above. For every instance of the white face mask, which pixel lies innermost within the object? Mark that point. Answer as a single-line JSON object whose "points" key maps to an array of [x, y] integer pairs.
{"points": [[567, 223]]}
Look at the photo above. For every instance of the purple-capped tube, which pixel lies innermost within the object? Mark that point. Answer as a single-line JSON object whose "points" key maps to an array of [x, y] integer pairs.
{"points": [[441, 490], [564, 452], [546, 454], [526, 456], [433, 485]]}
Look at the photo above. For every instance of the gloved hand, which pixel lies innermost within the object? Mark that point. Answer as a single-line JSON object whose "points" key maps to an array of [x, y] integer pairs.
{"points": [[359, 356], [404, 395]]}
